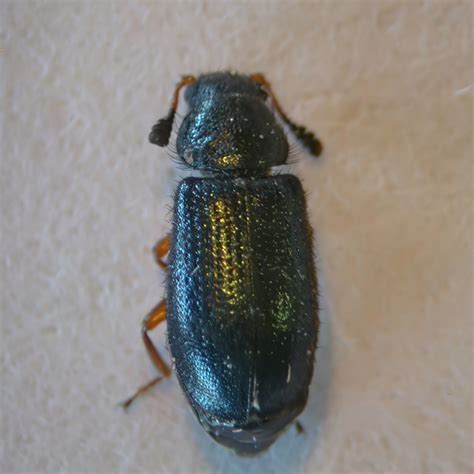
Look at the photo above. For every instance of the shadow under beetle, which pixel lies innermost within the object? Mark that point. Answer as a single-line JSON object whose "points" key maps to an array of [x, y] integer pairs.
{"points": [[242, 305]]}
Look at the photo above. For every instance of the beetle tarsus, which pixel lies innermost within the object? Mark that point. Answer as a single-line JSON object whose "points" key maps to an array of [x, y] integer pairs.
{"points": [[151, 320], [299, 428], [141, 391]]}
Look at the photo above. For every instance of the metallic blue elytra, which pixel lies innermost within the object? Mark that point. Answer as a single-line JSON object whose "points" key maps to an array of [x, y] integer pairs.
{"points": [[242, 306]]}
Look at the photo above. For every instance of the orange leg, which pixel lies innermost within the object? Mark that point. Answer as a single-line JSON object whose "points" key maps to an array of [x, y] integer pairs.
{"points": [[152, 319], [141, 391], [307, 138], [161, 248]]}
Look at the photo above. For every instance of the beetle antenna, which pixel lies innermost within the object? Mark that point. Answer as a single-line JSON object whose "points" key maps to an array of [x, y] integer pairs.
{"points": [[306, 137], [161, 131]]}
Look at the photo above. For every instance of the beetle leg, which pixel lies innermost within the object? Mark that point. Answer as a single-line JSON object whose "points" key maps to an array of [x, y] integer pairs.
{"points": [[161, 248], [151, 320], [140, 391], [306, 137]]}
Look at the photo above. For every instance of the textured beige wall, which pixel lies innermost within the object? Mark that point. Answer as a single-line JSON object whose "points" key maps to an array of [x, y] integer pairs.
{"points": [[388, 86]]}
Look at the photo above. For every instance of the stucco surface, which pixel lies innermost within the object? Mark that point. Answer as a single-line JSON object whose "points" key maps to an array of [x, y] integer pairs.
{"points": [[388, 86]]}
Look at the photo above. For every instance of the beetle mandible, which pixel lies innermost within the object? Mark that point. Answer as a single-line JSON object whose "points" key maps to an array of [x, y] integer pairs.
{"points": [[242, 304]]}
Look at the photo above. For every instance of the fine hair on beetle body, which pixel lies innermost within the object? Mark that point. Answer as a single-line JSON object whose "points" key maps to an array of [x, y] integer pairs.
{"points": [[241, 300]]}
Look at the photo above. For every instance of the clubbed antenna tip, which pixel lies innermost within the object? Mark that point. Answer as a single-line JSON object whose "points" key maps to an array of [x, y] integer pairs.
{"points": [[161, 131], [307, 138]]}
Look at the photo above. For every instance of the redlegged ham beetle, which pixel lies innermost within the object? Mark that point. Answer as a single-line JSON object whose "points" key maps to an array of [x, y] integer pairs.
{"points": [[242, 304]]}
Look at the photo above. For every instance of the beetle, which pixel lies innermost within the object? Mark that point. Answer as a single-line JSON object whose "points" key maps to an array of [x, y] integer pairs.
{"points": [[242, 302]]}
